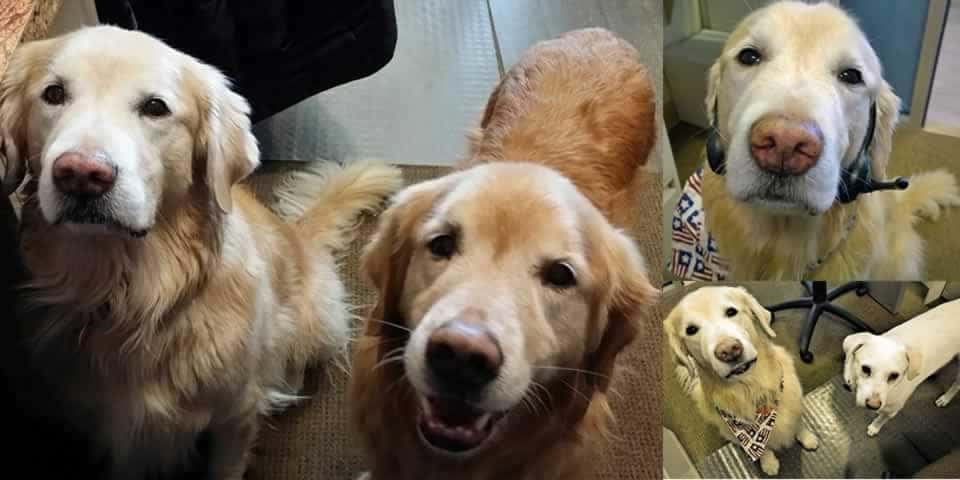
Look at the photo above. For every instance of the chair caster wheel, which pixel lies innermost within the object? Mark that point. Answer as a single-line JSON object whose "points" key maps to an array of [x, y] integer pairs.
{"points": [[862, 291], [807, 357]]}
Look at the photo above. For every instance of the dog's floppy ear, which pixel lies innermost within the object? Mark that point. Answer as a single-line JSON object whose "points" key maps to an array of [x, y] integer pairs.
{"points": [[386, 257], [887, 118], [853, 342], [670, 328], [713, 87], [914, 362], [629, 294], [760, 314], [225, 143], [27, 59]]}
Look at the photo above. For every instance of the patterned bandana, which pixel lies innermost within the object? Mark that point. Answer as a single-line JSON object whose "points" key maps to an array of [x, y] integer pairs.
{"points": [[753, 436], [695, 252]]}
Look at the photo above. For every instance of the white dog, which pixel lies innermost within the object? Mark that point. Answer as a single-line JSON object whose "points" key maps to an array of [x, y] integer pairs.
{"points": [[736, 374], [884, 370]]}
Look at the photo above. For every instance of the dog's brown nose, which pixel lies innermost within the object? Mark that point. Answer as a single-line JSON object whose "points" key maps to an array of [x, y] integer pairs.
{"points": [[729, 350], [785, 146], [463, 357], [874, 403], [78, 174]]}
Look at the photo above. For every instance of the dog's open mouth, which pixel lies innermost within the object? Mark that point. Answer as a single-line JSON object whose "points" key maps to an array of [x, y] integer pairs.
{"points": [[455, 427], [742, 368]]}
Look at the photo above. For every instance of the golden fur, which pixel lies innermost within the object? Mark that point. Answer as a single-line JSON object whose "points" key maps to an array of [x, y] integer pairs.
{"points": [[580, 107], [739, 397], [882, 244], [209, 320]]}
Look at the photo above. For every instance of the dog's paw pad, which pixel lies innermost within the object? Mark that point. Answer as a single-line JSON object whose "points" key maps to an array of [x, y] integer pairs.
{"points": [[770, 465], [809, 441]]}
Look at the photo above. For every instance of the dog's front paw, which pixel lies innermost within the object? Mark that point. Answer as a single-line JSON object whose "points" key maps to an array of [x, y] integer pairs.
{"points": [[808, 440], [364, 476], [944, 400], [769, 464], [872, 430]]}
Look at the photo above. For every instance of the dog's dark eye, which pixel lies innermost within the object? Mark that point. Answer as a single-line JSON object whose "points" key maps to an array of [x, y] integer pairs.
{"points": [[866, 370], [692, 329], [155, 108], [54, 95], [749, 57], [731, 312], [559, 274], [851, 76], [443, 246], [893, 377]]}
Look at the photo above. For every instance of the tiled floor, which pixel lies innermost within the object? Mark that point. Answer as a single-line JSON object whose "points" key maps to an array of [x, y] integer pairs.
{"points": [[449, 56], [943, 114]]}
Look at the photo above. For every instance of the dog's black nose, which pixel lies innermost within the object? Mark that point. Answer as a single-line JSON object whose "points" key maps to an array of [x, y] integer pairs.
{"points": [[729, 350], [463, 357]]}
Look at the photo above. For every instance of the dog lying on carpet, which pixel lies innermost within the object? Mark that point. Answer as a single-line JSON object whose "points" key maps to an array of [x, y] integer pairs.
{"points": [[164, 303], [803, 124], [885, 370], [743, 383], [508, 289]]}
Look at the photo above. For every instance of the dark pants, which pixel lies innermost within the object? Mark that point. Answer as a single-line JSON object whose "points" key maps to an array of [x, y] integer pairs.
{"points": [[277, 52]]}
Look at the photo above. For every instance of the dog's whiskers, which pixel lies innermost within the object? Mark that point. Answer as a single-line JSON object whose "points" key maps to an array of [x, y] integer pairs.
{"points": [[578, 392], [577, 370], [393, 356], [395, 325]]}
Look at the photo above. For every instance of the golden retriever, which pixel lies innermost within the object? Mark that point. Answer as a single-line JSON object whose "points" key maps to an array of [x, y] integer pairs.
{"points": [[163, 301], [791, 98], [505, 292], [725, 363]]}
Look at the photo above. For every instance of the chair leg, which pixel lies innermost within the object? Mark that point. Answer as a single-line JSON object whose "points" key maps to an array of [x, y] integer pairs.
{"points": [[803, 303], [850, 318], [859, 287], [806, 335]]}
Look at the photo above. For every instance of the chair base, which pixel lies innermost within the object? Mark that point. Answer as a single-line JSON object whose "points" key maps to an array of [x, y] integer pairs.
{"points": [[818, 303]]}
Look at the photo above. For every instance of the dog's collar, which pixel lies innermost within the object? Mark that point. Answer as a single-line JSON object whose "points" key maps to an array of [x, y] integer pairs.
{"points": [[854, 181], [752, 436], [847, 228]]}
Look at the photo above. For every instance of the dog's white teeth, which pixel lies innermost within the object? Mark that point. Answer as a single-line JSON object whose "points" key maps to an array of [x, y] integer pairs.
{"points": [[482, 422]]}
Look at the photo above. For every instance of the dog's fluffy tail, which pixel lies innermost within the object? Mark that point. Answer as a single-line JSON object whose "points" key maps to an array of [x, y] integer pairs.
{"points": [[928, 194], [346, 192]]}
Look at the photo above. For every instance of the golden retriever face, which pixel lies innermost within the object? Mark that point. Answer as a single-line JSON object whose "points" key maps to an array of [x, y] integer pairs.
{"points": [[505, 276], [715, 329], [791, 96], [111, 122]]}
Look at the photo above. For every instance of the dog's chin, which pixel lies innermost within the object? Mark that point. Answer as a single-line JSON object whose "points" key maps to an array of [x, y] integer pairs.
{"points": [[102, 228], [455, 428], [93, 218], [740, 371]]}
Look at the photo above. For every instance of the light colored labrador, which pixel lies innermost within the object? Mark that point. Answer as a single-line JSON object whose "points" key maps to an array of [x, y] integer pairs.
{"points": [[884, 370], [791, 97], [721, 339]]}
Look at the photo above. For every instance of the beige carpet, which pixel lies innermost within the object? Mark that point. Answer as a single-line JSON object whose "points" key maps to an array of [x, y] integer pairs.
{"points": [[679, 413], [314, 441], [913, 151]]}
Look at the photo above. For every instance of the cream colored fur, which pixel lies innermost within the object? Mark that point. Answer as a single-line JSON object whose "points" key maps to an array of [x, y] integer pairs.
{"points": [[803, 46], [210, 319], [705, 308]]}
